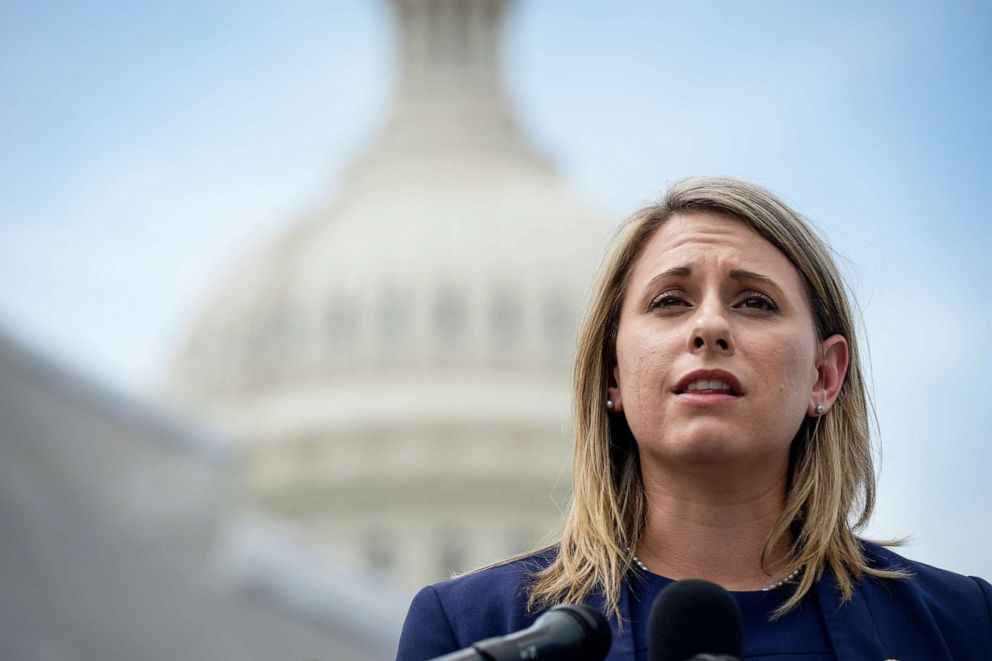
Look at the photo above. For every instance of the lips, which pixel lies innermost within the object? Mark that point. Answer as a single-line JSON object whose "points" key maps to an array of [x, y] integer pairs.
{"points": [[709, 381]]}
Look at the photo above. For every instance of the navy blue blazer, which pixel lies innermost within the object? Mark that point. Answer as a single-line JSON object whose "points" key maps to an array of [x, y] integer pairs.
{"points": [[935, 615]]}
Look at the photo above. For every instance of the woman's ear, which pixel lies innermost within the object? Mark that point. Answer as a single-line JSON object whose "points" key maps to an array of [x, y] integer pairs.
{"points": [[614, 402], [831, 371]]}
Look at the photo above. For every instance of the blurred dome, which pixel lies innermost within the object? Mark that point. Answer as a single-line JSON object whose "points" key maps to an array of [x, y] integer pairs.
{"points": [[411, 340], [476, 267], [452, 248]]}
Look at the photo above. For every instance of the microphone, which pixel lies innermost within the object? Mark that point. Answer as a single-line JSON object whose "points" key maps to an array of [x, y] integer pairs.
{"points": [[564, 633], [695, 620]]}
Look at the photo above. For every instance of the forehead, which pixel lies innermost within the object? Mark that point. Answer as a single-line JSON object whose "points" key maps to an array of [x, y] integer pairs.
{"points": [[708, 239]]}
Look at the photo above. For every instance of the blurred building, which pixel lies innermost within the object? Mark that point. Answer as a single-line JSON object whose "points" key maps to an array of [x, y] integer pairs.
{"points": [[395, 367], [116, 542]]}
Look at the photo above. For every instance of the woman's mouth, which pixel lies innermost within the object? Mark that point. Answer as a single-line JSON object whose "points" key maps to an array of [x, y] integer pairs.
{"points": [[708, 387]]}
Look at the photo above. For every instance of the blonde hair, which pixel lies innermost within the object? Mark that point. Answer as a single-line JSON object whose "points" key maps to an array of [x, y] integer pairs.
{"points": [[831, 486]]}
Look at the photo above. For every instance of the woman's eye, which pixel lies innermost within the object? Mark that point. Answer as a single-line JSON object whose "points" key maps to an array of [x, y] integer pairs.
{"points": [[753, 300], [668, 300]]}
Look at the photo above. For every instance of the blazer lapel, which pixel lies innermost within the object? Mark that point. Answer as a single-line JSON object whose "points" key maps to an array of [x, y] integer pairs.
{"points": [[622, 647], [851, 627]]}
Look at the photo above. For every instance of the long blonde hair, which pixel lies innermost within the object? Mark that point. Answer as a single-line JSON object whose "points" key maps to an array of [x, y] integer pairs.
{"points": [[831, 486]]}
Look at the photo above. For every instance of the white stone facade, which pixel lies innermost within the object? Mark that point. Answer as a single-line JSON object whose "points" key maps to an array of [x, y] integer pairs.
{"points": [[396, 366]]}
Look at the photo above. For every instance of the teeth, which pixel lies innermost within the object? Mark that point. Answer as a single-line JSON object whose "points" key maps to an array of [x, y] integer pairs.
{"points": [[708, 384]]}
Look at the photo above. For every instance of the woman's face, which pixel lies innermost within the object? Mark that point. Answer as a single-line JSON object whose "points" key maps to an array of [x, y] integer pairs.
{"points": [[717, 358]]}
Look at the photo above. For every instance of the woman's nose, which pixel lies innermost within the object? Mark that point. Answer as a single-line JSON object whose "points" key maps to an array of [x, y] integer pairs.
{"points": [[711, 332]]}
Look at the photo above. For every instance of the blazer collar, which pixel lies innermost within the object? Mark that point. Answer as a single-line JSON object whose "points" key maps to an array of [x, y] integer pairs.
{"points": [[622, 647], [851, 628]]}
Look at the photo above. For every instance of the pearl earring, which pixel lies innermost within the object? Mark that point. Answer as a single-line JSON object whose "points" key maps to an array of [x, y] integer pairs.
{"points": [[609, 404], [820, 409]]}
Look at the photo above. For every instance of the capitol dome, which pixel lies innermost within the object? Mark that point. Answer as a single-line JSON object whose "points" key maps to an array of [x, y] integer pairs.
{"points": [[395, 366]]}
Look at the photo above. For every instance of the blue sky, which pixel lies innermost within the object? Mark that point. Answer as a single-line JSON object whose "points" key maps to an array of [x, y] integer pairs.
{"points": [[147, 146]]}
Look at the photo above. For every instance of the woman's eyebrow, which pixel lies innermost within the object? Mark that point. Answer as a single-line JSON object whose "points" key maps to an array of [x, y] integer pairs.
{"points": [[741, 274], [734, 274], [676, 271]]}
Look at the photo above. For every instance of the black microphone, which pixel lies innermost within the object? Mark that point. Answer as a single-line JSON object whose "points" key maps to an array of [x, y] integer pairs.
{"points": [[564, 633], [695, 620]]}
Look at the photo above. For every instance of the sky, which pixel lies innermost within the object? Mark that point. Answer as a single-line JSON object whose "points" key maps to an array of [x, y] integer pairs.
{"points": [[148, 146]]}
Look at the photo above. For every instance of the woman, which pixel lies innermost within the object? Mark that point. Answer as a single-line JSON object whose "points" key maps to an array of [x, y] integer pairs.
{"points": [[721, 432]]}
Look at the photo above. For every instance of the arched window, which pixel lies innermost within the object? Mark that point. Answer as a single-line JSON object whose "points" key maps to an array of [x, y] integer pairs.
{"points": [[559, 319], [395, 313], [450, 315], [342, 321], [505, 319]]}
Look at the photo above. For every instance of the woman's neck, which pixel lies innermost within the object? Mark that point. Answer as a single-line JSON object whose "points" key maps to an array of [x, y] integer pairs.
{"points": [[713, 523]]}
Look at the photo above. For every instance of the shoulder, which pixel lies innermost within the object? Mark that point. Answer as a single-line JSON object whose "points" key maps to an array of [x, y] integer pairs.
{"points": [[451, 615], [958, 606], [930, 581]]}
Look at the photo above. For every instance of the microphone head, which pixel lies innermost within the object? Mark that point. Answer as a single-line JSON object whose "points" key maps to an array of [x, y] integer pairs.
{"points": [[596, 629], [692, 618]]}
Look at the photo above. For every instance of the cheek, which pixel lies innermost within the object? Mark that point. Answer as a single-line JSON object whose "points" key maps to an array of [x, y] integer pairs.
{"points": [[643, 359], [794, 374]]}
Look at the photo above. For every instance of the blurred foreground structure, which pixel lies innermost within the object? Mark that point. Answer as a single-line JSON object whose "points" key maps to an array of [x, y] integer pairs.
{"points": [[394, 368], [115, 542]]}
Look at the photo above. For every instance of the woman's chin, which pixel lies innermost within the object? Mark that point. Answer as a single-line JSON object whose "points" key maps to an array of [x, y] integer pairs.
{"points": [[712, 447]]}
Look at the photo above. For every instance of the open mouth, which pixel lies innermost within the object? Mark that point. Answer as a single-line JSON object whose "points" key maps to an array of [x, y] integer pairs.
{"points": [[709, 382]]}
